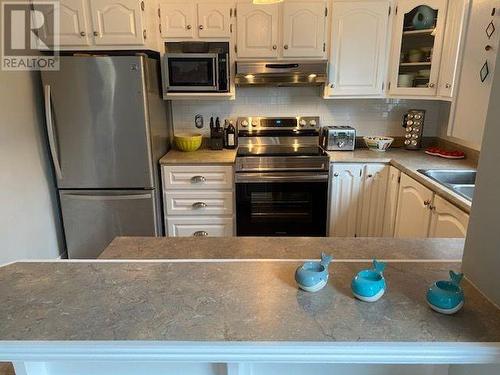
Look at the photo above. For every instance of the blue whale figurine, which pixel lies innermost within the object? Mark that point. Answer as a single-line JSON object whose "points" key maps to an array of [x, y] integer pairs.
{"points": [[369, 285], [313, 276], [446, 296]]}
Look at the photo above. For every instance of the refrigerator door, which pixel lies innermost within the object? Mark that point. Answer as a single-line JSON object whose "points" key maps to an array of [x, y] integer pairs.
{"points": [[92, 219], [97, 122]]}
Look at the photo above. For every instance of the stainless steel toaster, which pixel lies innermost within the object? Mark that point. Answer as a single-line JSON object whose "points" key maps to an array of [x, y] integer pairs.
{"points": [[337, 138]]}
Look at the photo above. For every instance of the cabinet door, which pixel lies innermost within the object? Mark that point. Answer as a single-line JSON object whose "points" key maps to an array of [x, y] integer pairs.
{"points": [[178, 20], [257, 30], [391, 202], [304, 29], [373, 196], [358, 47], [447, 220], [117, 22], [73, 24], [344, 197], [471, 104], [455, 21], [214, 20], [417, 45], [413, 215]]}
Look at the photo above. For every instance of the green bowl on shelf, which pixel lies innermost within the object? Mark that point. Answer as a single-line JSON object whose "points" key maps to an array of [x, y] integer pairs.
{"points": [[188, 142]]}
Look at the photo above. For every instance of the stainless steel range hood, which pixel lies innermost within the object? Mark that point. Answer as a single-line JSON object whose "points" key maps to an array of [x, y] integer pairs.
{"points": [[281, 73]]}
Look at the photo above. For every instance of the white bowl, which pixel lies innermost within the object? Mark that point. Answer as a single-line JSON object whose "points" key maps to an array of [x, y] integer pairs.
{"points": [[380, 144]]}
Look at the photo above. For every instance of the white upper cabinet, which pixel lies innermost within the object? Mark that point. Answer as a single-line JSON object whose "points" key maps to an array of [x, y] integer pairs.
{"points": [[192, 20], [304, 29], [417, 44], [257, 30], [117, 22], [455, 25], [73, 23], [214, 20], [358, 47], [413, 214], [178, 20], [373, 198], [345, 189], [447, 221], [473, 94]]}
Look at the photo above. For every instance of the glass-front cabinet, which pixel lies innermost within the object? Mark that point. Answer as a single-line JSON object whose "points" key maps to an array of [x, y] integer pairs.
{"points": [[417, 44]]}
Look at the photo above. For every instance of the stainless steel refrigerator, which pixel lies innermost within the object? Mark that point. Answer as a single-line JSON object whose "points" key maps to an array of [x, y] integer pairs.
{"points": [[107, 127]]}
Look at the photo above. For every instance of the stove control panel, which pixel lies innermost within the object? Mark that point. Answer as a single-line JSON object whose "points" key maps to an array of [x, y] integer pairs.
{"points": [[297, 124]]}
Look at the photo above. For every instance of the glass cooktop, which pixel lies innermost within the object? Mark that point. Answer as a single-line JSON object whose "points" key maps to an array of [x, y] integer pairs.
{"points": [[280, 151]]}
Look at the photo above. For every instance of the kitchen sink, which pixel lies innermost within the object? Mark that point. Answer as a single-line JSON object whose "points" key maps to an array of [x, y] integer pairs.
{"points": [[459, 180]]}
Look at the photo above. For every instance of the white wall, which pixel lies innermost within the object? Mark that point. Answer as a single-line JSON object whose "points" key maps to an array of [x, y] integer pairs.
{"points": [[481, 261], [29, 227], [368, 116]]}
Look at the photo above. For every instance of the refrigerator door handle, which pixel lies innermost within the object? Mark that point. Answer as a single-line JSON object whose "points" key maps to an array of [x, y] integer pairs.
{"points": [[114, 197], [50, 132]]}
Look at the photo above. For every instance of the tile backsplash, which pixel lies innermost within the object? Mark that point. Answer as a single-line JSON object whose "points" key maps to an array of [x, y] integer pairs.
{"points": [[368, 116]]}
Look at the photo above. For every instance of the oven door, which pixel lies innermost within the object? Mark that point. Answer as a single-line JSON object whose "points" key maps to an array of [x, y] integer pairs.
{"points": [[281, 204], [191, 72]]}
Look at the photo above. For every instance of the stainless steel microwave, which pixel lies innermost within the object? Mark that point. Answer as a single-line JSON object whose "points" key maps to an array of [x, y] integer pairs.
{"points": [[196, 67]]}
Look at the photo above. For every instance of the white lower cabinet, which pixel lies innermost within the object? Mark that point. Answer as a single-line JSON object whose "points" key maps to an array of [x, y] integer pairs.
{"points": [[421, 213], [345, 188], [373, 198], [447, 220], [198, 200], [391, 202]]}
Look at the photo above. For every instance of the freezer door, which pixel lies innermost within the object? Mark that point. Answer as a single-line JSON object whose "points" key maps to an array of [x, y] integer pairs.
{"points": [[97, 123], [92, 219]]}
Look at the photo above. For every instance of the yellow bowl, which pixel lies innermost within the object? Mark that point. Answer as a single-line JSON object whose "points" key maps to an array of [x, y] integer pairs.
{"points": [[188, 141]]}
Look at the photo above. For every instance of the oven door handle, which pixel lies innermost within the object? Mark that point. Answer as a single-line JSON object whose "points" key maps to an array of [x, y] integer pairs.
{"points": [[280, 177]]}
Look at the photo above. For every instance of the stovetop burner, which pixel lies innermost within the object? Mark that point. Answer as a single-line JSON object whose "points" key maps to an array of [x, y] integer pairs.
{"points": [[280, 150]]}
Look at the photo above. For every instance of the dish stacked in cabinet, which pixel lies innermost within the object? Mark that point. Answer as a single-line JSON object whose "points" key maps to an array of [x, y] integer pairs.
{"points": [[198, 200]]}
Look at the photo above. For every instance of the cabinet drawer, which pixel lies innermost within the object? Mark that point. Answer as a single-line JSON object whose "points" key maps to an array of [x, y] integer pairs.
{"points": [[202, 226], [199, 202], [197, 177]]}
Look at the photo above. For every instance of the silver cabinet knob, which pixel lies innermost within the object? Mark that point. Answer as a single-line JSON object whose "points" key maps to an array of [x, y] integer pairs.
{"points": [[335, 174], [198, 205], [96, 33], [431, 207], [285, 46], [200, 27], [188, 27], [83, 33], [448, 85], [200, 233], [427, 202], [198, 179], [275, 46], [431, 85], [370, 176]]}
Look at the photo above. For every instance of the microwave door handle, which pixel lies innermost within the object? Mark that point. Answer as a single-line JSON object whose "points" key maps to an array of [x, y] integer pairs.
{"points": [[228, 87], [215, 68], [50, 131]]}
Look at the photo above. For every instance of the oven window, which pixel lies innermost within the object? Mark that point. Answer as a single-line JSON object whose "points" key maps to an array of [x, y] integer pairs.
{"points": [[269, 206], [191, 71]]}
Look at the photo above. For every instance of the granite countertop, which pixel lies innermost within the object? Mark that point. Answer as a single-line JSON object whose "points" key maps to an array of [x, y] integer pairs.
{"points": [[409, 162], [201, 156], [229, 302], [283, 248]]}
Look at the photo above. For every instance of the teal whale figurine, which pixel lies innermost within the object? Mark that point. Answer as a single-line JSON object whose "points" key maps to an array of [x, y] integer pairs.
{"points": [[446, 296], [369, 285], [313, 276]]}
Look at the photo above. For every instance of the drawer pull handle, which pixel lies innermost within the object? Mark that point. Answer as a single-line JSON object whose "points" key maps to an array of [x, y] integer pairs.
{"points": [[198, 205], [198, 179], [200, 233]]}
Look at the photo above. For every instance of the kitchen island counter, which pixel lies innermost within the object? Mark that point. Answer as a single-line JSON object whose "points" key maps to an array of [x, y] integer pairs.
{"points": [[447, 249]]}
